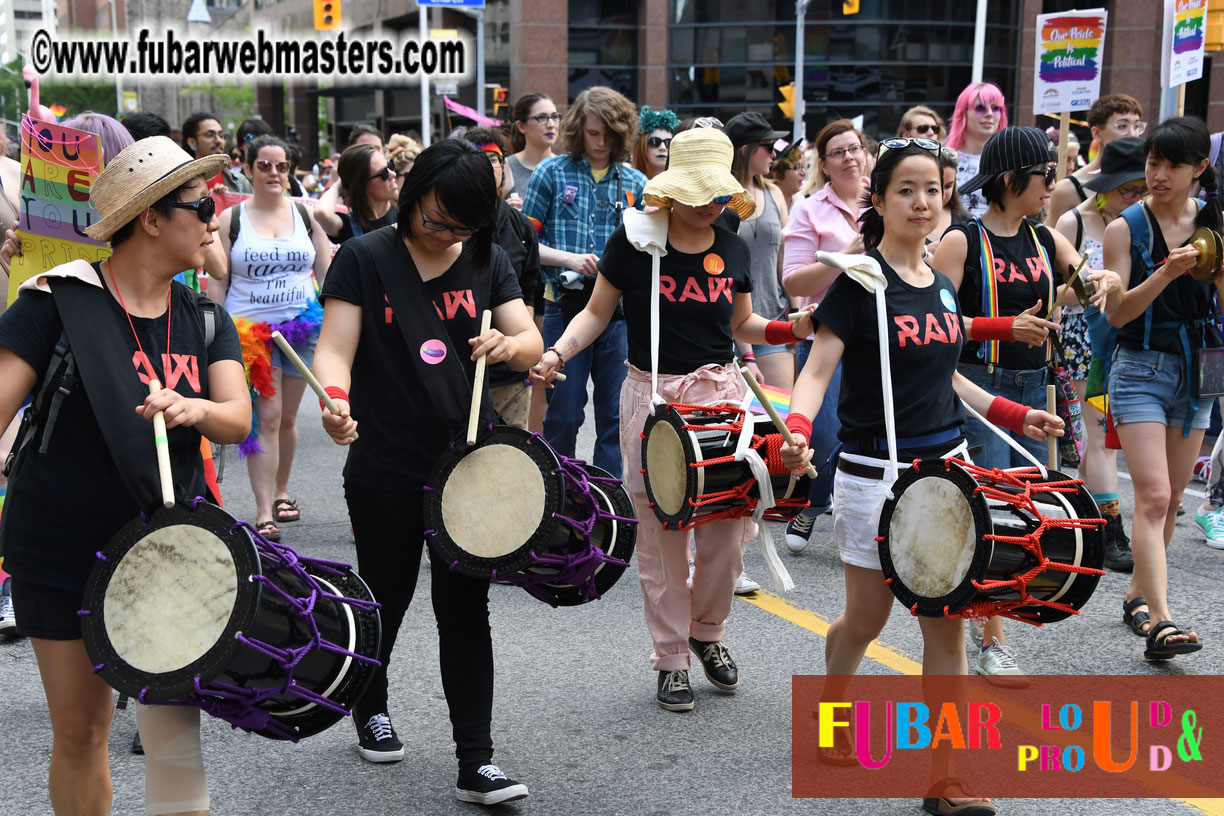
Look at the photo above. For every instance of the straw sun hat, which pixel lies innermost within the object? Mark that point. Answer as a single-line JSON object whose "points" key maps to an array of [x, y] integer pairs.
{"points": [[699, 171], [142, 174]]}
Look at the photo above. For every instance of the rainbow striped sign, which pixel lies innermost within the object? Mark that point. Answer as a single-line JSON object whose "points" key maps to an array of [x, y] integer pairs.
{"points": [[778, 397], [1067, 73], [1184, 40]]}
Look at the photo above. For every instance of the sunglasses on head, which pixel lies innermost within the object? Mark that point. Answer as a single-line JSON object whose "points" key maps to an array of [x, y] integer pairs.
{"points": [[265, 166], [382, 174], [929, 145], [659, 141], [205, 208]]}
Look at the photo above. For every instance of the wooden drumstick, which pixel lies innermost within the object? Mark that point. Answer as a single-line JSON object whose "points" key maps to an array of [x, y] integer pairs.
{"points": [[163, 450], [307, 375], [1051, 440], [486, 321], [773, 412], [559, 377]]}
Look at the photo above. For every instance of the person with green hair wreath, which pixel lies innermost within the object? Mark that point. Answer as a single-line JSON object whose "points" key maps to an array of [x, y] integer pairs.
{"points": [[655, 129]]}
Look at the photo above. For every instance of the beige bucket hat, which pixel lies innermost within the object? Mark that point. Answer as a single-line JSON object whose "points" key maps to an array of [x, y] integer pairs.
{"points": [[699, 171]]}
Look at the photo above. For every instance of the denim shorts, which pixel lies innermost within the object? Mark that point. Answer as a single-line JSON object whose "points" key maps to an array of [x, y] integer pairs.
{"points": [[1152, 386], [762, 349], [279, 360]]}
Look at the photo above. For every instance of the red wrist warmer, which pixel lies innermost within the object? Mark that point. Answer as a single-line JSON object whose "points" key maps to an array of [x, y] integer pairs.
{"points": [[799, 424], [336, 393], [991, 328], [1007, 414], [779, 332]]}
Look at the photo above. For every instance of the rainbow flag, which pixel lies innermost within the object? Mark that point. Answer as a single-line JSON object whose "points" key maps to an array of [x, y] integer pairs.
{"points": [[778, 397]]}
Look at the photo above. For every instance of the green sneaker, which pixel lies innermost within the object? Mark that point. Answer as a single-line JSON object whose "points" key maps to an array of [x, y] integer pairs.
{"points": [[1211, 522]]}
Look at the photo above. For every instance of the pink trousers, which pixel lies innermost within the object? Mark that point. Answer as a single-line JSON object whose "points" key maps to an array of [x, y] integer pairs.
{"points": [[674, 611]]}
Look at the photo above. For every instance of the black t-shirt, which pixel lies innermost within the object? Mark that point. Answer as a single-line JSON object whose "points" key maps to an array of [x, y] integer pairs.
{"points": [[1021, 278], [517, 236], [401, 433], [1185, 300], [697, 300], [925, 337], [346, 231], [65, 504]]}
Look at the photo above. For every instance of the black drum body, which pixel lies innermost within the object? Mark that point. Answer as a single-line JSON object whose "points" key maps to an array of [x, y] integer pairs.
{"points": [[513, 510], [191, 607], [962, 541]]}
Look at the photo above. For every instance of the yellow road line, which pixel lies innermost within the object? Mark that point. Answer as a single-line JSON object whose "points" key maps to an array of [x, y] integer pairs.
{"points": [[886, 655]]}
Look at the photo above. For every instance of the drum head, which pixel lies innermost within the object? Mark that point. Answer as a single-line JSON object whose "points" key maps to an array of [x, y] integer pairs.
{"points": [[929, 537], [491, 503], [666, 454], [166, 601]]}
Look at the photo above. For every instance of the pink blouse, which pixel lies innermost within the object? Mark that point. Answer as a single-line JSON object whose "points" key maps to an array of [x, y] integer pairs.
{"points": [[817, 223]]}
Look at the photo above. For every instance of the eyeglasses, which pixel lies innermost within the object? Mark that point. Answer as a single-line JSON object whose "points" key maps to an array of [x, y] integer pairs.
{"points": [[212, 134], [721, 200], [438, 226], [545, 118], [923, 129], [1124, 127], [853, 150], [382, 174], [982, 110], [708, 122], [205, 208], [1050, 173], [265, 166], [929, 145], [659, 141], [495, 158], [1132, 191]]}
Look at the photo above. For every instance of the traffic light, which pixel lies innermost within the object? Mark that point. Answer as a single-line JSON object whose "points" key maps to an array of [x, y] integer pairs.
{"points": [[1215, 26], [499, 99], [850, 6], [787, 105], [326, 15]]}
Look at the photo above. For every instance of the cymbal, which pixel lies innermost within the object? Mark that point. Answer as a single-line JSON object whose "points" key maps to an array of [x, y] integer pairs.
{"points": [[1210, 248]]}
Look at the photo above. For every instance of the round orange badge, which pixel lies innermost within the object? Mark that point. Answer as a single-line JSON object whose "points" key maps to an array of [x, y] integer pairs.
{"points": [[713, 263]]}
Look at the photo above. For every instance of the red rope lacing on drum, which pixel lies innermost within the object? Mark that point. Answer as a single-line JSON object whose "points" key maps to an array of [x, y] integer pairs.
{"points": [[1023, 479], [769, 447]]}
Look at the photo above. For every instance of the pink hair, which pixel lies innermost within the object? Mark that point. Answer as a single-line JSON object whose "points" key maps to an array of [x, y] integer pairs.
{"points": [[990, 94]]}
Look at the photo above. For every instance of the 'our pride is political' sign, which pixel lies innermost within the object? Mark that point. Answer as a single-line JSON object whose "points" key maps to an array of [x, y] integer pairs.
{"points": [[1185, 30], [58, 169], [1070, 49]]}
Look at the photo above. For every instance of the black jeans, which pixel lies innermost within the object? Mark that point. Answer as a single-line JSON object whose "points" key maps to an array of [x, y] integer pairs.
{"points": [[388, 527]]}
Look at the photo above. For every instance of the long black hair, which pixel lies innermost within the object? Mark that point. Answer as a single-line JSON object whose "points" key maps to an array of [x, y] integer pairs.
{"points": [[461, 178], [881, 176], [1185, 140]]}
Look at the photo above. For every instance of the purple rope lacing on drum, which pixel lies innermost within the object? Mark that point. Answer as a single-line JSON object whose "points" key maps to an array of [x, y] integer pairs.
{"points": [[573, 569], [242, 707]]}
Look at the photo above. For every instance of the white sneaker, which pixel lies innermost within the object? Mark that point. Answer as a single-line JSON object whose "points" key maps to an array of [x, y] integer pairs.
{"points": [[745, 585], [977, 631], [997, 663]]}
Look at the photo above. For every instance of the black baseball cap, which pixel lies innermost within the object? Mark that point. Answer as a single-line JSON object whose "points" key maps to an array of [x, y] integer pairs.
{"points": [[747, 128], [1122, 160], [1012, 148]]}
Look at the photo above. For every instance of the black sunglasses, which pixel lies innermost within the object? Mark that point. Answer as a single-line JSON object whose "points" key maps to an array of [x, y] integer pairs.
{"points": [[205, 208], [382, 174], [658, 141], [1050, 173]]}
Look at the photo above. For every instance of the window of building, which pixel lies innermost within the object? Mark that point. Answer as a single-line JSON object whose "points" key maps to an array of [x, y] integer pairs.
{"points": [[603, 46]]}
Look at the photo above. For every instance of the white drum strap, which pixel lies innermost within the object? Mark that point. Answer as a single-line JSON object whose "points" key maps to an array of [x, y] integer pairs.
{"points": [[781, 579], [890, 419], [655, 399], [1006, 437]]}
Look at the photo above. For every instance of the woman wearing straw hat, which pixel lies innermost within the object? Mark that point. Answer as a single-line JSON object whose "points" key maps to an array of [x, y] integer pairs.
{"points": [[155, 210], [1119, 184], [695, 365]]}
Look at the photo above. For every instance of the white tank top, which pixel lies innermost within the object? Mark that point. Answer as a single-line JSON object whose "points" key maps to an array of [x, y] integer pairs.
{"points": [[270, 277]]}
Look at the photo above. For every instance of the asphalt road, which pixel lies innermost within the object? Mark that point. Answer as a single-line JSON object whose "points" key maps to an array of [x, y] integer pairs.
{"points": [[575, 716]]}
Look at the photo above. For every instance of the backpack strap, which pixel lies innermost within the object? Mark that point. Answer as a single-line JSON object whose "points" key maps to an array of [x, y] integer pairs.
{"points": [[302, 211], [1137, 221], [989, 349], [235, 222]]}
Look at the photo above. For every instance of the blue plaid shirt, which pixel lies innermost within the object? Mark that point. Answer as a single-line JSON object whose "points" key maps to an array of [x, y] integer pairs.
{"points": [[574, 213]]}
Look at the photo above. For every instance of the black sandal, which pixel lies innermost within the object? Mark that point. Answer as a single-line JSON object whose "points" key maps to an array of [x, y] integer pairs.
{"points": [[1159, 648], [1133, 619], [941, 806]]}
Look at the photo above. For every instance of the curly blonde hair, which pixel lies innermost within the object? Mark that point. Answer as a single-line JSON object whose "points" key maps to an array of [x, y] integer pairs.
{"points": [[618, 115], [401, 151]]}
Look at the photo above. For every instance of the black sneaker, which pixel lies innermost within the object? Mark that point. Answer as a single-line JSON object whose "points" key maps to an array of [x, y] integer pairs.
{"points": [[716, 660], [377, 741], [487, 785], [8, 620], [1118, 555], [675, 693]]}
